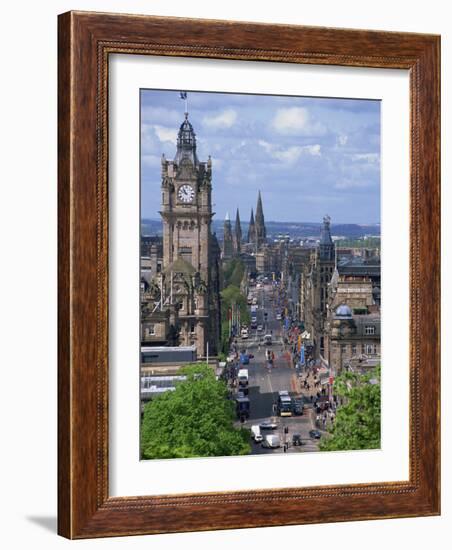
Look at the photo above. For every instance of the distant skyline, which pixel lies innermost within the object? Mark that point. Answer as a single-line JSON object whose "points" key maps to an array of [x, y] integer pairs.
{"points": [[308, 156]]}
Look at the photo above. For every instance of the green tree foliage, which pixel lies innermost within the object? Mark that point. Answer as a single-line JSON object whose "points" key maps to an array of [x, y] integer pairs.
{"points": [[232, 296], [357, 424], [233, 272], [194, 420]]}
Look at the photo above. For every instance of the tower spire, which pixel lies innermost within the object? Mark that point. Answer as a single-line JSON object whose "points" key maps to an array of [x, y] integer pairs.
{"points": [[261, 232], [252, 229], [326, 244], [238, 233], [186, 141], [228, 241]]}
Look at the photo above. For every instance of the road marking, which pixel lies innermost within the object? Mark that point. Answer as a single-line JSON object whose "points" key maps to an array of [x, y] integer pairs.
{"points": [[270, 382]]}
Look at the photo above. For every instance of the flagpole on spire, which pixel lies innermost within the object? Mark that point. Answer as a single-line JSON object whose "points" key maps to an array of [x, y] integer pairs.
{"points": [[183, 95]]}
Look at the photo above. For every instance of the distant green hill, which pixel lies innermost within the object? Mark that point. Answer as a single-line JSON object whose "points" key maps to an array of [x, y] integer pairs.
{"points": [[292, 229]]}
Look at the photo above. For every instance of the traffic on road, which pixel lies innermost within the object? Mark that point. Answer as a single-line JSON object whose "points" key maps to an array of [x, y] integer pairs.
{"points": [[271, 395]]}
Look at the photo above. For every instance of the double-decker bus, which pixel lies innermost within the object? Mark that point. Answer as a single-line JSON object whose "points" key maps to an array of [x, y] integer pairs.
{"points": [[285, 406]]}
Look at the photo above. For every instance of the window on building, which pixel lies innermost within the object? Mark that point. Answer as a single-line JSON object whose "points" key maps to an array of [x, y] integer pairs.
{"points": [[151, 330], [185, 252], [354, 349], [368, 349], [192, 326], [343, 348], [369, 329]]}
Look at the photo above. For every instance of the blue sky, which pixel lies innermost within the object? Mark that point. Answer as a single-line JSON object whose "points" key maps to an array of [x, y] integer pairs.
{"points": [[308, 156]]}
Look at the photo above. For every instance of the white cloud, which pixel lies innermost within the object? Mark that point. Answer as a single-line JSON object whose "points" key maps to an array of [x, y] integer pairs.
{"points": [[267, 146], [151, 160], [342, 139], [352, 184], [313, 150], [152, 115], [166, 134], [224, 119], [296, 121], [370, 158], [292, 153]]}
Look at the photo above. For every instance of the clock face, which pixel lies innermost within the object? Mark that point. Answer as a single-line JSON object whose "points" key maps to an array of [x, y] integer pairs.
{"points": [[186, 193]]}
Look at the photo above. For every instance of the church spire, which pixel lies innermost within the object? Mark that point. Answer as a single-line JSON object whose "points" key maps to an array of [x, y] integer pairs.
{"points": [[326, 244], [238, 233], [228, 242], [252, 229], [261, 232], [186, 143]]}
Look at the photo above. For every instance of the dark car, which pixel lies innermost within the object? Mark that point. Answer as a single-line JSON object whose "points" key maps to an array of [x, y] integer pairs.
{"points": [[267, 425], [296, 440], [315, 434], [298, 407]]}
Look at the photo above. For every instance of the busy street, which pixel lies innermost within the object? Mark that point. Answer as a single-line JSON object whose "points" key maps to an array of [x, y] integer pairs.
{"points": [[264, 351]]}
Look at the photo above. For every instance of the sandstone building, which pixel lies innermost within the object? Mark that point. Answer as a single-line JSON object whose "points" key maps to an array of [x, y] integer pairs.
{"points": [[181, 306]]}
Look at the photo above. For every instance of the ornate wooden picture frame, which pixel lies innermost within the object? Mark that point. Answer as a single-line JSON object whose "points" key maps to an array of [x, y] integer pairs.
{"points": [[86, 40]]}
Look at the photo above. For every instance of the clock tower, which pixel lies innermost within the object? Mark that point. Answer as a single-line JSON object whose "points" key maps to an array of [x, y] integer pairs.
{"points": [[186, 204], [188, 244]]}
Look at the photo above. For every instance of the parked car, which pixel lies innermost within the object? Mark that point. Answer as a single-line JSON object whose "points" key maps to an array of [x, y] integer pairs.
{"points": [[260, 328], [315, 434], [278, 317], [296, 440]]}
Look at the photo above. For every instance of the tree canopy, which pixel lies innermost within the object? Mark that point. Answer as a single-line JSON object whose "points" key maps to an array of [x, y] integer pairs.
{"points": [[194, 420], [358, 419], [229, 296], [233, 272]]}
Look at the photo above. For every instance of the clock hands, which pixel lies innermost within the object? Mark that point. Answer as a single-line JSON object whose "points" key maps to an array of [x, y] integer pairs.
{"points": [[185, 193]]}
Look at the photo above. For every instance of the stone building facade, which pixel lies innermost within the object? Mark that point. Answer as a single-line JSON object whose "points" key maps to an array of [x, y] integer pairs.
{"points": [[314, 280], [351, 337], [185, 294], [340, 304]]}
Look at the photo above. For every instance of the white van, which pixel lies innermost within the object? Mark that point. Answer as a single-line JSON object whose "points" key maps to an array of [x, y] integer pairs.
{"points": [[242, 376], [271, 441], [256, 433]]}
